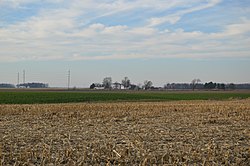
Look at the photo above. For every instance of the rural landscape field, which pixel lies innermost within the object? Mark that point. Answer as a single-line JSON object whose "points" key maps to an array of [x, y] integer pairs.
{"points": [[35, 96], [215, 131], [124, 83]]}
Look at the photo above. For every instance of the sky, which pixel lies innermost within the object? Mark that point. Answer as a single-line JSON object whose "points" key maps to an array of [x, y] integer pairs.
{"points": [[163, 41]]}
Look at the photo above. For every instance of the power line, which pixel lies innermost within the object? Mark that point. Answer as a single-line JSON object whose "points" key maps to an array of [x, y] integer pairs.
{"points": [[18, 78], [24, 76], [68, 79]]}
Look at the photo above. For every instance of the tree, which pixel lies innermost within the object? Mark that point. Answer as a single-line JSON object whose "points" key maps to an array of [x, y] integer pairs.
{"points": [[231, 86], [221, 86], [126, 82], [138, 86], [133, 87], [194, 83], [107, 81], [210, 85], [92, 86], [166, 86], [117, 85], [3, 85], [147, 84]]}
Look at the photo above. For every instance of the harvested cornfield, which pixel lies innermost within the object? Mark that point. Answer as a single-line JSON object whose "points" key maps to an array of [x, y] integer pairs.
{"points": [[137, 133]]}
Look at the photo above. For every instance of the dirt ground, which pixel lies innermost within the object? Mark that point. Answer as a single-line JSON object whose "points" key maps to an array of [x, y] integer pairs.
{"points": [[137, 133]]}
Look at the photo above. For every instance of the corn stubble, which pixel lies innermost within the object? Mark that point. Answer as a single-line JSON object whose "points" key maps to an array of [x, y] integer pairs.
{"points": [[138, 133]]}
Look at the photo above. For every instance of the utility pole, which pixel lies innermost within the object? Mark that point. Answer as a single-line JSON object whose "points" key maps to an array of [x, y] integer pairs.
{"points": [[24, 76], [18, 78], [68, 79]]}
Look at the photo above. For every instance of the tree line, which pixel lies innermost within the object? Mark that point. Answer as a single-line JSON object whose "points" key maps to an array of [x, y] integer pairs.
{"points": [[126, 83], [148, 85], [25, 85]]}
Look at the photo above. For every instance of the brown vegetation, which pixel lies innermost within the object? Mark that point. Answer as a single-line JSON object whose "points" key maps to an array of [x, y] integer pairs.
{"points": [[171, 133]]}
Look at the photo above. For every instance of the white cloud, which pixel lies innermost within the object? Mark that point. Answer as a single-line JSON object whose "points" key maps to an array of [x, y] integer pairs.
{"points": [[240, 28], [237, 30], [160, 20], [108, 57], [174, 18], [20, 3], [72, 33]]}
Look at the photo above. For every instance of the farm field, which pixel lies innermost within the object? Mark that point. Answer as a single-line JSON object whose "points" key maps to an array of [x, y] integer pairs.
{"points": [[36, 97], [126, 133]]}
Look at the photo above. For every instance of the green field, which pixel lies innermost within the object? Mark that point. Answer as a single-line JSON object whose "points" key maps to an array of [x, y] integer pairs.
{"points": [[20, 97]]}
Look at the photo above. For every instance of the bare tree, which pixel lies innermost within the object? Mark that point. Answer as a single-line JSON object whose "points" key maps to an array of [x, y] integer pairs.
{"points": [[117, 85], [107, 81], [138, 86], [126, 82], [147, 84], [195, 82]]}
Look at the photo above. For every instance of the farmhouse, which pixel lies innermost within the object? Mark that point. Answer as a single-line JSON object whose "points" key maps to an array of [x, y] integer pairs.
{"points": [[97, 86], [117, 85]]}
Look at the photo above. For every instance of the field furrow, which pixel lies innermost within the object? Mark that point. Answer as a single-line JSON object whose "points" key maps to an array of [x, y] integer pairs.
{"points": [[125, 133]]}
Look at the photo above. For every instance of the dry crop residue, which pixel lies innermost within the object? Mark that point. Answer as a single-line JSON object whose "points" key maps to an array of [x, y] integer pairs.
{"points": [[138, 133]]}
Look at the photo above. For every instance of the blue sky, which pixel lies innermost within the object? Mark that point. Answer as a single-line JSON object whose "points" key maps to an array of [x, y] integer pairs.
{"points": [[162, 41]]}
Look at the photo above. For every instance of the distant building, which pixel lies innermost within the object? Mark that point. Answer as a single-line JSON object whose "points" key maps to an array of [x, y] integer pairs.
{"points": [[99, 88], [117, 85], [96, 86], [114, 86]]}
